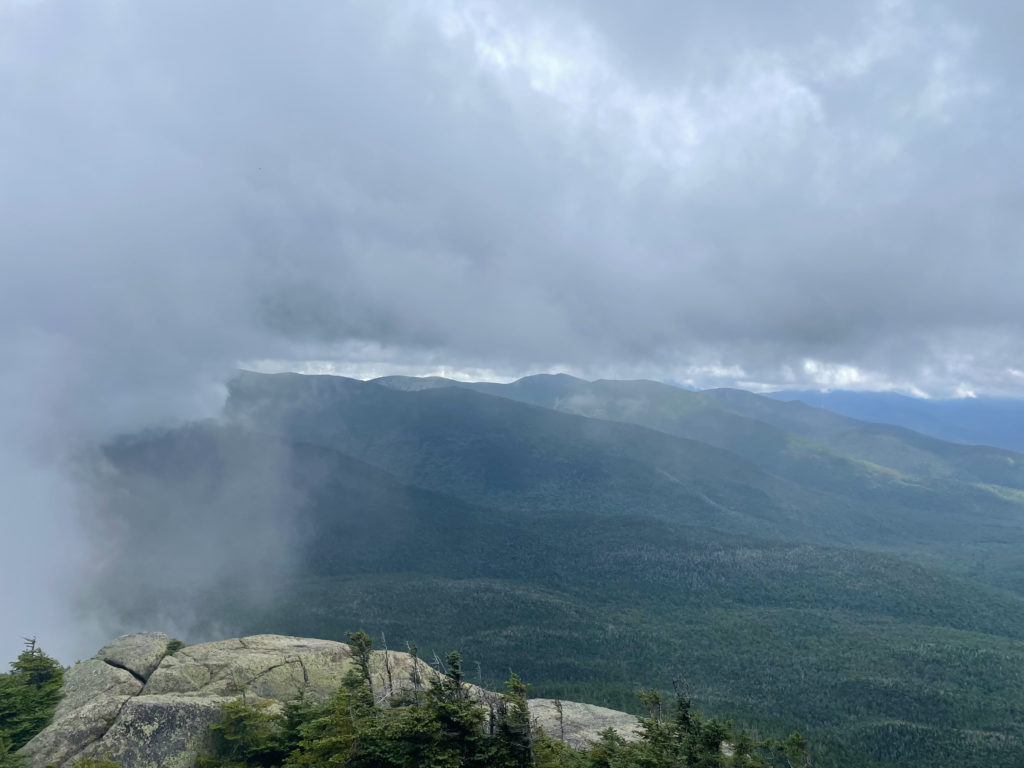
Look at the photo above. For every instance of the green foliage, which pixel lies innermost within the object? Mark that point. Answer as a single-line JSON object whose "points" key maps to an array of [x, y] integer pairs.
{"points": [[7, 757], [246, 735], [793, 662], [173, 646], [446, 728], [515, 725], [361, 645], [551, 753], [92, 762], [28, 697], [443, 729]]}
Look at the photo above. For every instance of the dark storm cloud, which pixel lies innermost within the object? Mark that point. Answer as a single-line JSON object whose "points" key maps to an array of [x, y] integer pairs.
{"points": [[521, 186], [759, 193]]}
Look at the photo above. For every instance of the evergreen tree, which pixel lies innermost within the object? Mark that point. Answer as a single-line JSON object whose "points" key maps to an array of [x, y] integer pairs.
{"points": [[514, 728], [332, 736], [461, 720], [7, 757], [28, 696], [362, 647], [743, 755], [246, 735]]}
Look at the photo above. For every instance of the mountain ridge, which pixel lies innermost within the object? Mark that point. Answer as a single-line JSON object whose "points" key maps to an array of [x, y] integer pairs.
{"points": [[933, 502], [984, 420], [586, 602]]}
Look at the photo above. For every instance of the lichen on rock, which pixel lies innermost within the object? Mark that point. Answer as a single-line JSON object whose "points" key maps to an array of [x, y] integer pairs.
{"points": [[580, 724], [139, 654]]}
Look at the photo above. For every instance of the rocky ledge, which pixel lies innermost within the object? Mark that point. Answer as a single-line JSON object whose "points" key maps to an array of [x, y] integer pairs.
{"points": [[143, 706]]}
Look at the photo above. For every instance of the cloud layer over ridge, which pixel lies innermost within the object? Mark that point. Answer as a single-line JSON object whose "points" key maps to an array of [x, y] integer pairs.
{"points": [[754, 194]]}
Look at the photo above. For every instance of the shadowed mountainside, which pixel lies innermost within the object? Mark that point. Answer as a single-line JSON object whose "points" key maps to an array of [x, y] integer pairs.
{"points": [[860, 649], [837, 481]]}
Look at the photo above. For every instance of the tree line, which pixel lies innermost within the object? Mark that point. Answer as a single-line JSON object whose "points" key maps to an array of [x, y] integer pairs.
{"points": [[439, 724]]}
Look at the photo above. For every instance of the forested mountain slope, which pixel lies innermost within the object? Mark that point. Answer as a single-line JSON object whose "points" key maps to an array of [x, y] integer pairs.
{"points": [[996, 421], [711, 415], [872, 655], [498, 452], [945, 512], [891, 446], [493, 451], [731, 417]]}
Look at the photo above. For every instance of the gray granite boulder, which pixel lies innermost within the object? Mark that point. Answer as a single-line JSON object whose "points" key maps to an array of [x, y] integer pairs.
{"points": [[93, 679], [161, 731], [94, 693], [70, 736], [263, 666], [139, 654]]}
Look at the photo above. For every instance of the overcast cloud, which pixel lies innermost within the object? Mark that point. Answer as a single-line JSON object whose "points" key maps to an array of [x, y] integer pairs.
{"points": [[763, 194]]}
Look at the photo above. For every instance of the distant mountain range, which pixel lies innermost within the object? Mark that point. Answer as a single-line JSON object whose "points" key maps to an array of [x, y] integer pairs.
{"points": [[847, 482], [801, 569], [975, 420]]}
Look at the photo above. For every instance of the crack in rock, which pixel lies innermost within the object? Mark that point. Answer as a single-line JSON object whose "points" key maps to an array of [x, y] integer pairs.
{"points": [[266, 671], [131, 672], [288, 662]]}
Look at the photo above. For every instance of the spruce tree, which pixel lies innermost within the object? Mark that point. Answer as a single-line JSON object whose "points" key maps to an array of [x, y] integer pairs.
{"points": [[515, 725], [29, 695]]}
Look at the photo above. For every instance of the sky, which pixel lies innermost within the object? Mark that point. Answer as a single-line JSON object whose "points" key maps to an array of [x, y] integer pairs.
{"points": [[765, 195]]}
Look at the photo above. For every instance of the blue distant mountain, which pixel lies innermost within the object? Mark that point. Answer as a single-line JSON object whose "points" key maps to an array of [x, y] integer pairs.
{"points": [[991, 421]]}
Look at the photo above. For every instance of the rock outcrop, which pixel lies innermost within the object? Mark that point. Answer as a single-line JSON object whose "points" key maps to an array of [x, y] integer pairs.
{"points": [[138, 654], [580, 724], [144, 707]]}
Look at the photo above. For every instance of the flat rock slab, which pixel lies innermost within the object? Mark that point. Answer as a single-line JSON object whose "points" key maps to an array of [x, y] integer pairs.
{"points": [[264, 666], [580, 724]]}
